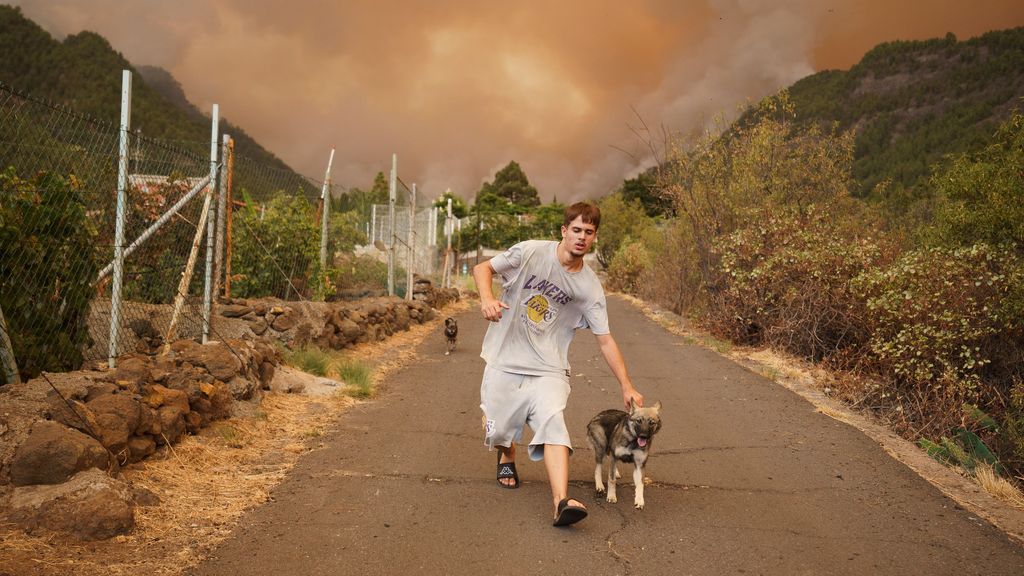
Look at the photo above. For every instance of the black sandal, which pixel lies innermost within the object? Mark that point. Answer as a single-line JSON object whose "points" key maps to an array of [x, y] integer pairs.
{"points": [[507, 470], [568, 513]]}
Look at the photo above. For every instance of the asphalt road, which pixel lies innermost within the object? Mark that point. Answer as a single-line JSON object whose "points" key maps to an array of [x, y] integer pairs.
{"points": [[747, 478]]}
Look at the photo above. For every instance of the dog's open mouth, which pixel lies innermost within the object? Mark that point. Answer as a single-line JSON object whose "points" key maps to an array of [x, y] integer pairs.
{"points": [[641, 441]]}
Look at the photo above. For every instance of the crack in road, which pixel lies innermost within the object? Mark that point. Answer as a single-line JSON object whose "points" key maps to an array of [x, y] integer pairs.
{"points": [[580, 484], [610, 540]]}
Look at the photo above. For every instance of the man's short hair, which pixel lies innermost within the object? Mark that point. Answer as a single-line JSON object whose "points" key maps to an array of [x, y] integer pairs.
{"points": [[590, 214]]}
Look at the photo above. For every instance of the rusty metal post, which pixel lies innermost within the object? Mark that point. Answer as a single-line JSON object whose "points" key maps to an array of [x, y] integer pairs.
{"points": [[230, 211]]}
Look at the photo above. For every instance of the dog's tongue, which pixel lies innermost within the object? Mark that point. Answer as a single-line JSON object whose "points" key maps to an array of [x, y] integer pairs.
{"points": [[642, 442]]}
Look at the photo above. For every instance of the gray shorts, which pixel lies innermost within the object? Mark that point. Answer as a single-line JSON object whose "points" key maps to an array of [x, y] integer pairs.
{"points": [[511, 400]]}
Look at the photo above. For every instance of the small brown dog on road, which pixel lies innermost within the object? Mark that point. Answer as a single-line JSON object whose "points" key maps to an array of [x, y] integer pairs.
{"points": [[625, 437], [451, 332]]}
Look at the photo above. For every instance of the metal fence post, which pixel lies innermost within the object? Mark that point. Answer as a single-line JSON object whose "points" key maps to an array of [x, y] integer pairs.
{"points": [[122, 185], [324, 199], [410, 242], [391, 224], [448, 251], [208, 282]]}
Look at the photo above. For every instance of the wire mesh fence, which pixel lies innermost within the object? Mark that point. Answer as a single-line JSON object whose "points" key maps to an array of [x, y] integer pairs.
{"points": [[57, 219], [275, 237], [195, 229], [412, 233]]}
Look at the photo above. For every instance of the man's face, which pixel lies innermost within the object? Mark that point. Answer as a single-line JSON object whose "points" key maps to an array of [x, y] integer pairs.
{"points": [[579, 236]]}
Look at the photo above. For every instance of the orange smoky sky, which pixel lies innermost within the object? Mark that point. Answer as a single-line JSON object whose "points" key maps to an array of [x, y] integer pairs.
{"points": [[458, 88]]}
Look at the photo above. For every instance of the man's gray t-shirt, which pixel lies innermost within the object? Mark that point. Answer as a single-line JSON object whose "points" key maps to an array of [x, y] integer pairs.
{"points": [[547, 304]]}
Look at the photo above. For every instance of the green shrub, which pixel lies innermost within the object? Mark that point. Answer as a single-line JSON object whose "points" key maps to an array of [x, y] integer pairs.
{"points": [[276, 249], [627, 267], [621, 221], [945, 314], [352, 271], [48, 263], [983, 194], [966, 448], [786, 282]]}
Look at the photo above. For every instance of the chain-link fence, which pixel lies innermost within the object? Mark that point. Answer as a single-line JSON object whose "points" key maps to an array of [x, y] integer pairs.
{"points": [[412, 233], [196, 228], [58, 216]]}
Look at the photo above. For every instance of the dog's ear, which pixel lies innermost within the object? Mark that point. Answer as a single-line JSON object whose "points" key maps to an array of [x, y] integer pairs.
{"points": [[632, 406], [657, 406]]}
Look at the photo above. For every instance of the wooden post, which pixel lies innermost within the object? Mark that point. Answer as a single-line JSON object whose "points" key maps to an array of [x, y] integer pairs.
{"points": [[230, 211], [7, 354], [186, 275]]}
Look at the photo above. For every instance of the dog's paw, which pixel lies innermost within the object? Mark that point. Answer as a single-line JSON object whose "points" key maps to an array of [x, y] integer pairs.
{"points": [[612, 499], [600, 488], [639, 504]]}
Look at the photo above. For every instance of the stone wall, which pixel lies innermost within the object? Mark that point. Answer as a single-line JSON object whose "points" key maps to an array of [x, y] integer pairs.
{"points": [[63, 437], [333, 325], [100, 420]]}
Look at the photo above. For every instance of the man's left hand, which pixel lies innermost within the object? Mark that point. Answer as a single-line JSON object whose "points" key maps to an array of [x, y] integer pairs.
{"points": [[631, 394]]}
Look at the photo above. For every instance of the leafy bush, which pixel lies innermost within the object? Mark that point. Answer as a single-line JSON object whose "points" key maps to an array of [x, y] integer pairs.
{"points": [[628, 266], [345, 232], [787, 284], [983, 193], [621, 220], [276, 249], [48, 263], [945, 315], [357, 272], [718, 181]]}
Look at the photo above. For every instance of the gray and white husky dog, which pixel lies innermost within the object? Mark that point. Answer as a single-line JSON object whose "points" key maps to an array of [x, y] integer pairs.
{"points": [[626, 437]]}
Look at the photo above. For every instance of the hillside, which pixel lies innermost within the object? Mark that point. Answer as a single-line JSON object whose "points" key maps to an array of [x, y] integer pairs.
{"points": [[83, 72], [913, 102]]}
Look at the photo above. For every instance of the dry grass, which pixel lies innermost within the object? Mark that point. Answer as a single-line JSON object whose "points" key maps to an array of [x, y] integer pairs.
{"points": [[998, 486], [206, 482]]}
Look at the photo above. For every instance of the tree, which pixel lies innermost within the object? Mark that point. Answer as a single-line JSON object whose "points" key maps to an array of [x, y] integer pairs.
{"points": [[622, 220], [983, 194], [644, 189], [361, 200], [512, 184], [546, 221], [459, 207], [773, 165]]}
